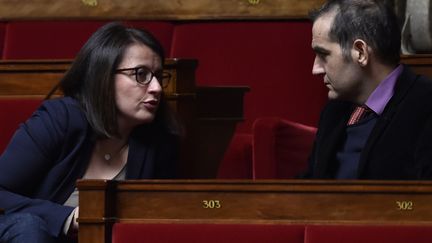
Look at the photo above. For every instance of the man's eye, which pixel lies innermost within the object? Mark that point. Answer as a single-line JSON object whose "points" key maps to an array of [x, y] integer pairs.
{"points": [[322, 56]]}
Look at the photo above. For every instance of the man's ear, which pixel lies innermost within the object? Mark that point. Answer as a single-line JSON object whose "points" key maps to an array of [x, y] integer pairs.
{"points": [[361, 53]]}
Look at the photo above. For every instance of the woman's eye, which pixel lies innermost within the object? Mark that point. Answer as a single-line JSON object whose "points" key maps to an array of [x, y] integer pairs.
{"points": [[141, 71]]}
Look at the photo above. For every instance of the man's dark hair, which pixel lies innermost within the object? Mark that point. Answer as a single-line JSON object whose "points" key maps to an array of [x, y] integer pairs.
{"points": [[90, 78], [373, 21]]}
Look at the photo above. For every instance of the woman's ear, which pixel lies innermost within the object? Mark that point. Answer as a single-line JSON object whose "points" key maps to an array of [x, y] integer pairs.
{"points": [[361, 52]]}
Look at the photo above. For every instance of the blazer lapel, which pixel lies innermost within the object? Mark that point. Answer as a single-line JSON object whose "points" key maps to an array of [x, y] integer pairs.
{"points": [[331, 137], [140, 163], [404, 83]]}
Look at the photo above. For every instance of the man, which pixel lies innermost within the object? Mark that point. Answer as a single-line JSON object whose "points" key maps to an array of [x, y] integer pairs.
{"points": [[378, 122]]}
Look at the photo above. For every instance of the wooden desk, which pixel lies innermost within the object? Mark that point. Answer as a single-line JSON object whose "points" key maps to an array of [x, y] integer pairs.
{"points": [[103, 203], [209, 114]]}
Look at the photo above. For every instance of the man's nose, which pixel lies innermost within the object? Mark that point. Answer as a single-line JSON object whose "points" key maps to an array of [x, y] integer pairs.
{"points": [[317, 67]]}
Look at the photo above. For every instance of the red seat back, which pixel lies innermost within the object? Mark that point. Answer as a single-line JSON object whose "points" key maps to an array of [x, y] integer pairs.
{"points": [[368, 233], [208, 233], [237, 161], [12, 113], [280, 148]]}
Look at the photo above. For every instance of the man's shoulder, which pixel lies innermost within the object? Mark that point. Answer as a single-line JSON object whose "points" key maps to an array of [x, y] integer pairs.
{"points": [[424, 83], [420, 90], [418, 81]]}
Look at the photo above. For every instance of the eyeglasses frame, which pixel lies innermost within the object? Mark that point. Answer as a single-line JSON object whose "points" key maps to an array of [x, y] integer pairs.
{"points": [[165, 75]]}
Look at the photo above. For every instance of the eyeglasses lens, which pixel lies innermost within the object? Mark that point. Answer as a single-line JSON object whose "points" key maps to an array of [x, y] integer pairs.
{"points": [[143, 76], [166, 77]]}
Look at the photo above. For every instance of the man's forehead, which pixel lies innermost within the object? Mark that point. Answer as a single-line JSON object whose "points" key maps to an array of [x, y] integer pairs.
{"points": [[323, 22], [320, 33]]}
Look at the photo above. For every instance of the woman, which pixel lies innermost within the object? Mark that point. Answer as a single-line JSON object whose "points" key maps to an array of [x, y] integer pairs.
{"points": [[112, 123]]}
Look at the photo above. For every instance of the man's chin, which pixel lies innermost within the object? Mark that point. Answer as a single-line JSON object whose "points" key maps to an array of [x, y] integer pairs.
{"points": [[332, 95]]}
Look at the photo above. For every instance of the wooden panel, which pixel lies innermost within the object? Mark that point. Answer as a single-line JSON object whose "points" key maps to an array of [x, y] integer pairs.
{"points": [[100, 212], [37, 77], [208, 130], [420, 63], [157, 10], [282, 201]]}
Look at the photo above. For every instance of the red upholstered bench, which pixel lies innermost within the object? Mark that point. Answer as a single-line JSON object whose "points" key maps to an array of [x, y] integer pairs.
{"points": [[251, 233], [12, 113], [237, 161], [208, 233], [368, 233], [277, 148], [280, 148]]}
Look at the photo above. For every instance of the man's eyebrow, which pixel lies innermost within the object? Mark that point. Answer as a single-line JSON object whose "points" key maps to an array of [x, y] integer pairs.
{"points": [[320, 50]]}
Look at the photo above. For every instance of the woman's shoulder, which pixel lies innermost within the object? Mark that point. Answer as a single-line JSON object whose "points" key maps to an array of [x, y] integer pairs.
{"points": [[61, 103], [61, 106], [64, 110]]}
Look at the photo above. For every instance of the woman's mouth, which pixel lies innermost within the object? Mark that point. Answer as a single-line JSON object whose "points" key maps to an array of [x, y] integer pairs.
{"points": [[151, 105]]}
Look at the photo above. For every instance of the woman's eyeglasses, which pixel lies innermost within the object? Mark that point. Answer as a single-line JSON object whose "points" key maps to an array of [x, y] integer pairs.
{"points": [[144, 75]]}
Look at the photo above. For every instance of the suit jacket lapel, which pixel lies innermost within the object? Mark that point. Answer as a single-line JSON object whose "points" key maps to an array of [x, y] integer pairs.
{"points": [[404, 83], [332, 135], [140, 164]]}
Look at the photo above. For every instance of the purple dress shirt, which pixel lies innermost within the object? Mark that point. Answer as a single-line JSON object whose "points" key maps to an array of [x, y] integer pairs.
{"points": [[379, 98]]}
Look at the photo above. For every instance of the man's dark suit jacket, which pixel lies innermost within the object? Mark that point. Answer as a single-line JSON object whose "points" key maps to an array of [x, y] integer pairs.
{"points": [[400, 145], [51, 150]]}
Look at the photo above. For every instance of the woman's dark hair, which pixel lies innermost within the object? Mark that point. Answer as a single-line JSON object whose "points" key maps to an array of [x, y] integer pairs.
{"points": [[373, 21], [90, 78]]}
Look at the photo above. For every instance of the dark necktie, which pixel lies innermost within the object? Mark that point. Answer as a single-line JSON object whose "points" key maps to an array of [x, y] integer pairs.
{"points": [[358, 113]]}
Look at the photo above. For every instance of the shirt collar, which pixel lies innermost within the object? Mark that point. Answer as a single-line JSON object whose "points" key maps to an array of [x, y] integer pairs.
{"points": [[379, 98]]}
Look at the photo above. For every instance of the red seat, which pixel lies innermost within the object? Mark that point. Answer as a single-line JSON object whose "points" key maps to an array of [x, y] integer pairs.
{"points": [[276, 149], [280, 148], [237, 161], [12, 113], [368, 233], [208, 233]]}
